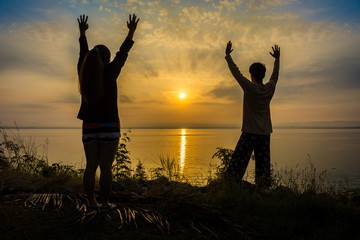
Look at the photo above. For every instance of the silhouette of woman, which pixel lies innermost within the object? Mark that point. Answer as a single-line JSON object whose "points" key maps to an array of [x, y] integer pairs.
{"points": [[99, 111]]}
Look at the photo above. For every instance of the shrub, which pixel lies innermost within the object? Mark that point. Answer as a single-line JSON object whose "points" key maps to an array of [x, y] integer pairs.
{"points": [[122, 164], [169, 168], [140, 173], [22, 155]]}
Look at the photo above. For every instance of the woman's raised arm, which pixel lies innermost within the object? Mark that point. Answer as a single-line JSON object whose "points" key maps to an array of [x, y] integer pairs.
{"points": [[84, 48]]}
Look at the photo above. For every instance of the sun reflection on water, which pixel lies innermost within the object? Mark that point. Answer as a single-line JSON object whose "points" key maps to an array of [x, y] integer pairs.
{"points": [[182, 150]]}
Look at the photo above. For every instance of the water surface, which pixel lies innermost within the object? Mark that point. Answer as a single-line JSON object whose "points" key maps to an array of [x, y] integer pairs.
{"points": [[336, 150]]}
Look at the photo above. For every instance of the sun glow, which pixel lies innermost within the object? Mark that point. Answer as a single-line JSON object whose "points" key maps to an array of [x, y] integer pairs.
{"points": [[182, 95]]}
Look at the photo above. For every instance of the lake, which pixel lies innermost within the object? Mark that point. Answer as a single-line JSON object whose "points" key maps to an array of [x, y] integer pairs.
{"points": [[335, 150]]}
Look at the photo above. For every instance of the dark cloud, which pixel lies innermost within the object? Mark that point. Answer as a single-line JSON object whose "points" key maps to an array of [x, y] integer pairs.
{"points": [[201, 59], [68, 98], [145, 65], [344, 72], [126, 99], [341, 73], [35, 107], [233, 92], [11, 58]]}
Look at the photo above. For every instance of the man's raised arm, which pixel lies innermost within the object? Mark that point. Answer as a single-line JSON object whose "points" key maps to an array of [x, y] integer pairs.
{"points": [[275, 74], [243, 81]]}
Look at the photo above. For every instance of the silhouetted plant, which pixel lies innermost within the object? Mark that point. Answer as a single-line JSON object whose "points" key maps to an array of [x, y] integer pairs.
{"points": [[22, 155], [306, 179], [4, 163], [140, 173], [224, 155], [126, 213], [169, 168], [122, 164]]}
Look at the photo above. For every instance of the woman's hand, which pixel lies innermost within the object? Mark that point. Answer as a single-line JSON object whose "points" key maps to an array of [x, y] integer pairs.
{"points": [[83, 25], [228, 48]]}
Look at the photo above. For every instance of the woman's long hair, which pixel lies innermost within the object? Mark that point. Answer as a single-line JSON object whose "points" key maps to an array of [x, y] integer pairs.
{"points": [[92, 73]]}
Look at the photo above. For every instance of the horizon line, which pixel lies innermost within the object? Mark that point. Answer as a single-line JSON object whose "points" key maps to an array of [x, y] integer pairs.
{"points": [[211, 127]]}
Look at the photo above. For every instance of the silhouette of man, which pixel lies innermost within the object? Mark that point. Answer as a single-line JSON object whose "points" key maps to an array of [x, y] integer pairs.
{"points": [[256, 127]]}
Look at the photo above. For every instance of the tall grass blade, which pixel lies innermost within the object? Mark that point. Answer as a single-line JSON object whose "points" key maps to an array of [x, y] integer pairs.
{"points": [[193, 227], [207, 229]]}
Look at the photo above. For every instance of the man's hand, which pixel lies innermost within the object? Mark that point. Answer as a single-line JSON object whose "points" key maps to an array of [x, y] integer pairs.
{"points": [[83, 25], [276, 52], [132, 23], [228, 48]]}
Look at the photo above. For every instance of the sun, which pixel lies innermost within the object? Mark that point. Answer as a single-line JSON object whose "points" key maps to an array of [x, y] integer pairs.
{"points": [[182, 95]]}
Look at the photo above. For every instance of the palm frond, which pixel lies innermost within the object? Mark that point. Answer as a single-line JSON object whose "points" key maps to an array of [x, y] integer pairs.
{"points": [[203, 219], [127, 215], [44, 199]]}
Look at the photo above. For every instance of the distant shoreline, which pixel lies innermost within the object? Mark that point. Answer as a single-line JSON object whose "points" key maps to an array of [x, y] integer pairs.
{"points": [[279, 127]]}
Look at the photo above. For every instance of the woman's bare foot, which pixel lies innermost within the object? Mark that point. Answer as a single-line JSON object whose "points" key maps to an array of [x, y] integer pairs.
{"points": [[93, 203], [108, 205]]}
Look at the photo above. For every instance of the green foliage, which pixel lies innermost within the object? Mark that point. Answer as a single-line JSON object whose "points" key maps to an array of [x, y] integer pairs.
{"points": [[224, 155], [122, 214], [299, 180], [140, 173], [4, 163], [56, 168], [122, 164], [22, 155], [306, 179], [169, 168]]}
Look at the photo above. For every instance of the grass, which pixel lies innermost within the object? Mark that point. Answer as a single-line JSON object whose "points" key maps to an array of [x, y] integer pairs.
{"points": [[160, 209], [51, 204], [218, 210]]}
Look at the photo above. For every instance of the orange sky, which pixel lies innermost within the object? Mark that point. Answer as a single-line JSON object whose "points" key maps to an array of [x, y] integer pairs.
{"points": [[179, 48]]}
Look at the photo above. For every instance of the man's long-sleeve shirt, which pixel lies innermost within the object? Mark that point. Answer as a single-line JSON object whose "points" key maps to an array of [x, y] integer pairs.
{"points": [[256, 102]]}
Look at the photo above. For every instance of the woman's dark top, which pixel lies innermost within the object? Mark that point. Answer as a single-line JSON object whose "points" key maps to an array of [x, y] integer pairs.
{"points": [[106, 109]]}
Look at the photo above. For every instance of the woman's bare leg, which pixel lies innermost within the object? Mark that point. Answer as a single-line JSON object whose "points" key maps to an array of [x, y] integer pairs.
{"points": [[92, 162], [107, 151]]}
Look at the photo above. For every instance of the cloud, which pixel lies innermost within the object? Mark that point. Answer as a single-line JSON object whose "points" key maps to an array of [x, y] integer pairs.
{"points": [[233, 93], [37, 46], [230, 5], [261, 4], [126, 99], [145, 25], [132, 2], [278, 17], [179, 46], [233, 5], [68, 98]]}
